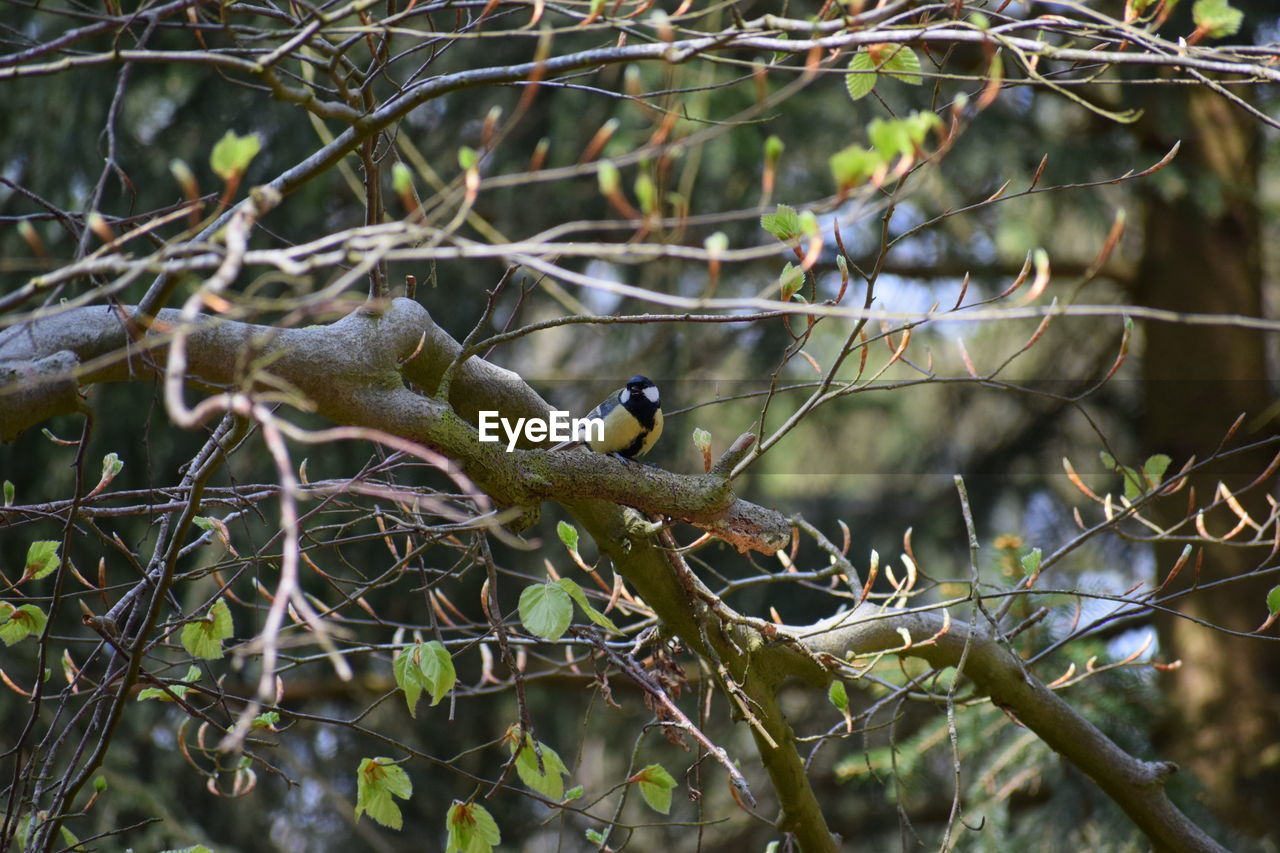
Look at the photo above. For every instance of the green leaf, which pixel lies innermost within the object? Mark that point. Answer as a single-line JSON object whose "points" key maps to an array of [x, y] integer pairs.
{"points": [[112, 465], [467, 158], [204, 522], [180, 689], [424, 666], [42, 559], [401, 179], [568, 535], [853, 166], [838, 696], [701, 439], [1273, 600], [197, 848], [655, 786], [20, 623], [1153, 469], [266, 720], [1030, 561], [783, 223], [890, 137], [232, 154], [377, 781], [607, 177], [790, 281], [773, 148], [595, 836], [918, 125], [547, 780], [437, 667], [545, 610], [646, 193], [580, 598], [100, 784], [861, 78], [574, 793], [8, 493], [1217, 18], [903, 64], [471, 829], [203, 637]]}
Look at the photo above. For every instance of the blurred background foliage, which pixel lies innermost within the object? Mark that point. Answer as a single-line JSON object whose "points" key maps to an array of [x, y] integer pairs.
{"points": [[882, 461]]}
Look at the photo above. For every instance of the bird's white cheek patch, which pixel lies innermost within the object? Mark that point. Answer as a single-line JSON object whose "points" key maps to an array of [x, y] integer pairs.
{"points": [[625, 395], [651, 392]]}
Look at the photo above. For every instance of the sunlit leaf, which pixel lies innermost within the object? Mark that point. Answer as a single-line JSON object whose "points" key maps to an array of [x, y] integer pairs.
{"points": [[903, 64], [233, 153], [568, 535], [471, 829], [21, 622], [1217, 18], [656, 785], [545, 610], [547, 780], [377, 781], [203, 637], [42, 559], [580, 598], [838, 696], [861, 78], [783, 223]]}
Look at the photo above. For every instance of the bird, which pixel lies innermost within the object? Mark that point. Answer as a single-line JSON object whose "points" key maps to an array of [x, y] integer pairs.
{"points": [[632, 418]]}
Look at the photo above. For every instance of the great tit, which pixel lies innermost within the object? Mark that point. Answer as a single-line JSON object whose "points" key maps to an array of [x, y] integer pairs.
{"points": [[632, 419]]}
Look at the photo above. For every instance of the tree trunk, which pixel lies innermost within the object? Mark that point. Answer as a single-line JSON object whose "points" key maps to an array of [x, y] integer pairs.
{"points": [[1202, 253]]}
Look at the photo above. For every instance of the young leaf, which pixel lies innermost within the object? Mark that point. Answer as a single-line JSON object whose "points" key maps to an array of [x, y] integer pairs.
{"points": [[266, 720], [861, 78], [890, 137], [580, 598], [232, 154], [409, 677], [437, 667], [903, 64], [547, 780], [467, 158], [783, 223], [607, 177], [203, 637], [112, 465], [42, 559], [568, 535], [838, 695], [1030, 561], [471, 829], [853, 166], [377, 781], [401, 179], [1217, 18], [424, 666], [1153, 469], [716, 243], [1273, 600], [655, 786], [8, 493], [790, 281], [16, 624], [545, 610], [180, 689]]}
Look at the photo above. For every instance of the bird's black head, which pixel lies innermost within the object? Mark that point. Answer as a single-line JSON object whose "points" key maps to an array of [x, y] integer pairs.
{"points": [[640, 396]]}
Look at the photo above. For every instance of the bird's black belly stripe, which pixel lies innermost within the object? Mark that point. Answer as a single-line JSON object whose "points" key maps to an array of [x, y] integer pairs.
{"points": [[634, 447]]}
